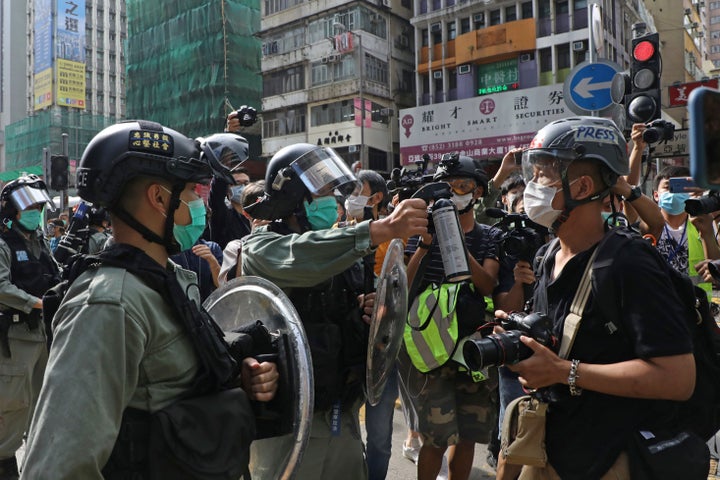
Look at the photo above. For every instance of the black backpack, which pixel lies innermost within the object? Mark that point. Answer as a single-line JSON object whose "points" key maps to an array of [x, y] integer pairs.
{"points": [[700, 413]]}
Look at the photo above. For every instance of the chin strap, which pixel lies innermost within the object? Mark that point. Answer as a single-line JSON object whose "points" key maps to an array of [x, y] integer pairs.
{"points": [[468, 208], [571, 203], [168, 239]]}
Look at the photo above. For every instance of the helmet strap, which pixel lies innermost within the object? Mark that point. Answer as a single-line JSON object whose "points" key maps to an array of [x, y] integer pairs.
{"points": [[468, 208], [571, 203], [168, 239]]}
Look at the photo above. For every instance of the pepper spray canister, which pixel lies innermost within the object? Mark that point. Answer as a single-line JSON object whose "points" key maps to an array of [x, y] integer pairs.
{"points": [[451, 240]]}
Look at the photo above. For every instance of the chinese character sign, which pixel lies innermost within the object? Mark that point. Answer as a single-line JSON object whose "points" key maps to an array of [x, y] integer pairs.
{"points": [[70, 53]]}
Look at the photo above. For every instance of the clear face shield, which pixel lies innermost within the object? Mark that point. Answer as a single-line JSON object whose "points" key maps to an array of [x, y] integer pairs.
{"points": [[545, 166], [225, 153], [26, 196], [322, 171]]}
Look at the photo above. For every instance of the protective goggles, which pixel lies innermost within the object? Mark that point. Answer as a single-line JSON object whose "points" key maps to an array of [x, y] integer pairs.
{"points": [[545, 166], [461, 186], [322, 171], [26, 196]]}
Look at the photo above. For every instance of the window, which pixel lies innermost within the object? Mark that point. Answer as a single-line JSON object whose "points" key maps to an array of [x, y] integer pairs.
{"points": [[545, 60], [424, 37], [544, 8], [284, 81], [375, 70], [451, 31], [464, 25], [714, 20], [715, 49], [510, 14], [495, 17], [284, 122], [335, 112], [274, 6], [714, 5], [527, 10], [563, 56]]}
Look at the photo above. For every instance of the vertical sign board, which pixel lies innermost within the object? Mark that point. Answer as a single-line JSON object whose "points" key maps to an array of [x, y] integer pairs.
{"points": [[43, 54], [70, 53]]}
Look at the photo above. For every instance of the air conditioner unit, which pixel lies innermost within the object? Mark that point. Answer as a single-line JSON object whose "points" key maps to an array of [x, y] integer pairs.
{"points": [[479, 18], [385, 3], [463, 69], [699, 34], [352, 148], [437, 74], [525, 57], [333, 58], [688, 11], [387, 112], [435, 27], [578, 46], [324, 60]]}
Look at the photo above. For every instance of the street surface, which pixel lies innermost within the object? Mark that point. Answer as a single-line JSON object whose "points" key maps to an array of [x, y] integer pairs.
{"points": [[403, 469]]}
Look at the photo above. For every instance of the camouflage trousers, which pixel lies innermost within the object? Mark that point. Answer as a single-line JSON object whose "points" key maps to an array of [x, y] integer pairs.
{"points": [[448, 404]]}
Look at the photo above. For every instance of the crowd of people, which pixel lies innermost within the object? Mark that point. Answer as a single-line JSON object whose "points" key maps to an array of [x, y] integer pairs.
{"points": [[88, 382]]}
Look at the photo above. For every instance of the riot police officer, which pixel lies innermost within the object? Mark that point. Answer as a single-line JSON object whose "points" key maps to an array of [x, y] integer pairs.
{"points": [[131, 342], [98, 223], [27, 269], [315, 265]]}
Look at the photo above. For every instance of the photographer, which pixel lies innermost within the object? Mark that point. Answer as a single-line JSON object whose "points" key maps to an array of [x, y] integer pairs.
{"points": [[496, 187], [447, 389], [610, 381], [686, 242]]}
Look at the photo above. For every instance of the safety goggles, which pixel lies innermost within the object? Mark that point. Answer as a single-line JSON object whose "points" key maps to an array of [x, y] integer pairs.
{"points": [[461, 186]]}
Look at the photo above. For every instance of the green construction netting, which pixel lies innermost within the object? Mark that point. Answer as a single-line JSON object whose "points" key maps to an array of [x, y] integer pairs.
{"points": [[184, 58], [25, 139], [13, 174]]}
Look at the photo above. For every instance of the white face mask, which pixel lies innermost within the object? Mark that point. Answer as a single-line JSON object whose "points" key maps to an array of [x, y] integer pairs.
{"points": [[538, 203], [355, 205], [462, 201]]}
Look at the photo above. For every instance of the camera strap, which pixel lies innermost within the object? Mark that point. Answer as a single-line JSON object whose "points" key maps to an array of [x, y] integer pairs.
{"points": [[572, 320]]}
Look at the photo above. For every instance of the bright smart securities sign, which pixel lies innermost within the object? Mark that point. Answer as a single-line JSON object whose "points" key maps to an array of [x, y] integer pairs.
{"points": [[498, 77]]}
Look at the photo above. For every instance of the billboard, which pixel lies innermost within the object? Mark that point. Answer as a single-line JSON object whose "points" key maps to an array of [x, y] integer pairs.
{"points": [[70, 53], [484, 127], [43, 50]]}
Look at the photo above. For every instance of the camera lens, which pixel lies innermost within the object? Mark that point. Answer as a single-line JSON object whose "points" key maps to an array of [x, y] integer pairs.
{"points": [[650, 135], [493, 350]]}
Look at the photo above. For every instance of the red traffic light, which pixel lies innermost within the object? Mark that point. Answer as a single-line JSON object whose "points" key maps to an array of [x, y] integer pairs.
{"points": [[643, 51]]}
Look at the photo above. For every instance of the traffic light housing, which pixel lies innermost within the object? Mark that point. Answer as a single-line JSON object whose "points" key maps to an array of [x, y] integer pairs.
{"points": [[59, 172], [642, 104]]}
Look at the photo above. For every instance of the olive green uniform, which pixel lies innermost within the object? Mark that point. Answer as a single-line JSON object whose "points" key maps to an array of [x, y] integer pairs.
{"points": [[20, 375], [304, 260], [116, 344]]}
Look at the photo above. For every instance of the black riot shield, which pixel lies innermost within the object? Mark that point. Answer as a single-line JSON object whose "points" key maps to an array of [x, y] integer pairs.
{"points": [[388, 322], [283, 424]]}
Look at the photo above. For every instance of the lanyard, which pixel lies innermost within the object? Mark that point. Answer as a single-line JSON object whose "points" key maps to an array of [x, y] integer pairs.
{"points": [[675, 246]]}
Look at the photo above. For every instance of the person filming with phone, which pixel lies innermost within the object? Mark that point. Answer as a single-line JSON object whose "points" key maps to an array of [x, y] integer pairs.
{"points": [[686, 242]]}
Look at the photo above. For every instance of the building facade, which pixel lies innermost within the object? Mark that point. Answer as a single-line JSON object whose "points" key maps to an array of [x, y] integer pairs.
{"points": [[74, 72], [336, 73]]}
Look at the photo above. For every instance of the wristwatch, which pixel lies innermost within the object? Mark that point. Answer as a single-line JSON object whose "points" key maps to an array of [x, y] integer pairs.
{"points": [[635, 193]]}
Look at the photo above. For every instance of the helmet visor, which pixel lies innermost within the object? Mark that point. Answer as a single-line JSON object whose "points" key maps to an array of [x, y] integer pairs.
{"points": [[545, 166], [322, 171], [27, 196]]}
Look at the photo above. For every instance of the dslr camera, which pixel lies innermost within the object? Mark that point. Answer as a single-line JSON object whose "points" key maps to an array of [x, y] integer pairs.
{"points": [[506, 348], [706, 204], [405, 182], [521, 238], [658, 131]]}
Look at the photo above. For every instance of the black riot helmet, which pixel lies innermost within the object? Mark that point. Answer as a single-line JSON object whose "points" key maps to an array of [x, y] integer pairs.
{"points": [[22, 193], [224, 151], [456, 165], [297, 172], [135, 148]]}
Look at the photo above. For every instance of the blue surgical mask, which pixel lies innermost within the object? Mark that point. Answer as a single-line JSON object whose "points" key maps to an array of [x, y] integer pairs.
{"points": [[673, 203], [30, 219], [321, 213], [236, 193], [606, 215], [187, 235]]}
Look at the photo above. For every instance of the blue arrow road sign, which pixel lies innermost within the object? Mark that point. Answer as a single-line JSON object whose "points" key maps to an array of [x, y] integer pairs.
{"points": [[587, 88]]}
